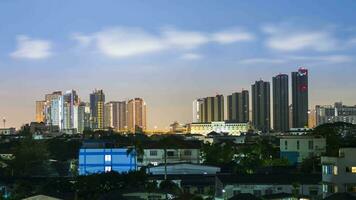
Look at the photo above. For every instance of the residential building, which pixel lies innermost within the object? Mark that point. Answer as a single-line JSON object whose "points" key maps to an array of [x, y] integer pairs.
{"points": [[69, 118], [211, 109], [300, 97], [296, 148], [183, 168], [219, 127], [181, 152], [238, 107], [261, 108], [99, 157], [280, 103], [312, 118], [97, 101], [83, 117], [339, 173], [136, 116], [336, 113], [115, 115], [261, 185], [196, 110], [40, 111]]}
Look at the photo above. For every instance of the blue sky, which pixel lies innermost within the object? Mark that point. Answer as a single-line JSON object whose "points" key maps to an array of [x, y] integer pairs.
{"points": [[170, 52]]}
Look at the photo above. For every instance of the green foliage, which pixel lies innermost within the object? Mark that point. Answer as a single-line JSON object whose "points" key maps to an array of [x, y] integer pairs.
{"points": [[170, 187], [63, 150], [310, 165], [30, 158], [337, 135]]}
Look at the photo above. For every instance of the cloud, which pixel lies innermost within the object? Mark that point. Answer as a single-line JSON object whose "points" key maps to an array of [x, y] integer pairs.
{"points": [[28, 48], [329, 59], [191, 56], [262, 61], [286, 38], [226, 37], [119, 42]]}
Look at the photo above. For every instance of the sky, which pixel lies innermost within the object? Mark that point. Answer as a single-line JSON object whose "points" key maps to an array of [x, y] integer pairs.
{"points": [[171, 52]]}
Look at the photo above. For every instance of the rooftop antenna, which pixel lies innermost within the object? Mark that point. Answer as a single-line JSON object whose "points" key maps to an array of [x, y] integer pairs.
{"points": [[4, 121]]}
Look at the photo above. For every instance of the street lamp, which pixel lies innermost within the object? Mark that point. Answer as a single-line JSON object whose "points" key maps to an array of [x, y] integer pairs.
{"points": [[4, 121]]}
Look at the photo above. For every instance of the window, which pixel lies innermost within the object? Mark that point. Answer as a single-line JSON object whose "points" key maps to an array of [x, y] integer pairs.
{"points": [[107, 158], [335, 172], [107, 168], [187, 152], [286, 145], [153, 153], [298, 145], [170, 153], [351, 170]]}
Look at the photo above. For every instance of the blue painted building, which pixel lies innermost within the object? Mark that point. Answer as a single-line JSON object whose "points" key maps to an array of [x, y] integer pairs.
{"points": [[98, 160]]}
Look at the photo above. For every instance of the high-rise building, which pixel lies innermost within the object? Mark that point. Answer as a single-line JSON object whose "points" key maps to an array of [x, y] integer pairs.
{"points": [[122, 121], [70, 103], [280, 103], [52, 118], [196, 110], [300, 98], [336, 113], [238, 107], [40, 111], [83, 117], [261, 110], [312, 118], [136, 116], [115, 115], [212, 109], [97, 100]]}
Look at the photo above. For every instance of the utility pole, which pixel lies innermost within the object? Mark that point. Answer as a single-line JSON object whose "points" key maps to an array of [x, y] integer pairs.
{"points": [[4, 121]]}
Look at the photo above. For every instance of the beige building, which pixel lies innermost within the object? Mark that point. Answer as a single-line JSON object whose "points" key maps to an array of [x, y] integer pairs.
{"points": [[136, 114], [115, 115], [219, 127], [40, 111]]}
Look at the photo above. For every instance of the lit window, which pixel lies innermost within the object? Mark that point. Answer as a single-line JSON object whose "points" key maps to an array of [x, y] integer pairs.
{"points": [[335, 170], [107, 168], [353, 170], [107, 158]]}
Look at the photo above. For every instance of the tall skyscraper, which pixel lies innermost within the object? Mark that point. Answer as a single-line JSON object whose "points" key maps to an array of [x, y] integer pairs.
{"points": [[261, 111], [83, 117], [238, 107], [40, 111], [196, 110], [136, 117], [52, 114], [300, 98], [115, 115], [280, 103], [97, 100], [70, 103], [211, 109]]}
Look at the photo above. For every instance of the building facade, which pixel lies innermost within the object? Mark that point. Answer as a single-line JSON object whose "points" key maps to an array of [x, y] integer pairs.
{"points": [[300, 98], [136, 115], [238, 107], [339, 173], [40, 111], [99, 160], [219, 127], [212, 109], [196, 110], [261, 110], [336, 113], [280, 103], [297, 148], [97, 101]]}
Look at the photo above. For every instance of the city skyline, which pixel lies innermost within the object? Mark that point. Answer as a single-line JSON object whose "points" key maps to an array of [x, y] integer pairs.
{"points": [[182, 51]]}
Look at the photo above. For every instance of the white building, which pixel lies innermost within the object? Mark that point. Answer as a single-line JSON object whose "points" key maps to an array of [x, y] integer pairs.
{"points": [[339, 173], [153, 153], [196, 110], [259, 185], [7, 131], [296, 148], [336, 113], [183, 168], [219, 127]]}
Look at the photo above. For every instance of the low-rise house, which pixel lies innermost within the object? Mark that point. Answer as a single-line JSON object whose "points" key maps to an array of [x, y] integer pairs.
{"points": [[180, 152], [260, 185], [339, 173], [296, 148]]}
